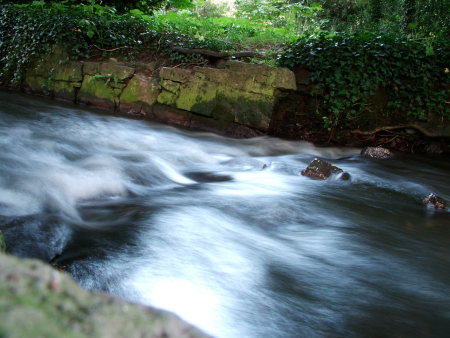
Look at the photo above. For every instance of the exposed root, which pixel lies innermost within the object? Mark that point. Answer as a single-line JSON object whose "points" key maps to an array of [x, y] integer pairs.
{"points": [[218, 55], [109, 50], [406, 126]]}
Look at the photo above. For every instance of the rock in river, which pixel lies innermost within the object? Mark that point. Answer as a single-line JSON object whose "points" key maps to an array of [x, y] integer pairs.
{"points": [[435, 201], [377, 152], [322, 170], [38, 301]]}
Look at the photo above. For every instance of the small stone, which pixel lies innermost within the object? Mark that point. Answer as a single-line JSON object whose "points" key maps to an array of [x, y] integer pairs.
{"points": [[377, 152], [435, 201], [322, 170]]}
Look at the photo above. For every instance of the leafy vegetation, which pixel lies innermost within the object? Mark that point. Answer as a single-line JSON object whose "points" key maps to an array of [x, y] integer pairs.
{"points": [[353, 48], [120, 6], [234, 33], [347, 70], [30, 30]]}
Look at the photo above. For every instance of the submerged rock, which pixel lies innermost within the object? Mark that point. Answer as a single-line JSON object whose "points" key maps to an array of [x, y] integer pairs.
{"points": [[322, 170], [38, 301], [435, 201], [377, 152]]}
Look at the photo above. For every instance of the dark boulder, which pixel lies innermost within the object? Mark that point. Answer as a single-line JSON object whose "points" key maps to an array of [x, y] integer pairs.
{"points": [[322, 170], [435, 201], [376, 152]]}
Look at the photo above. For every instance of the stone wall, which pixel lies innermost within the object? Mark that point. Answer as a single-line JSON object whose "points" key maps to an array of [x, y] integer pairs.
{"points": [[235, 98]]}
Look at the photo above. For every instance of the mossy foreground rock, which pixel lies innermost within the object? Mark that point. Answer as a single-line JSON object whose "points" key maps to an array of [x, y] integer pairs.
{"points": [[38, 301]]}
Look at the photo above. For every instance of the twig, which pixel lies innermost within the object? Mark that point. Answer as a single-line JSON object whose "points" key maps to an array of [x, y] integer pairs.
{"points": [[219, 55], [109, 50], [389, 141]]}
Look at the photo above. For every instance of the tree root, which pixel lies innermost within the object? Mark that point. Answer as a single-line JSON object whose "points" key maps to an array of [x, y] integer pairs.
{"points": [[218, 55], [406, 126], [109, 50]]}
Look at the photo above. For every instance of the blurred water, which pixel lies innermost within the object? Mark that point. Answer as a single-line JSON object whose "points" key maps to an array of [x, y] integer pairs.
{"points": [[226, 233]]}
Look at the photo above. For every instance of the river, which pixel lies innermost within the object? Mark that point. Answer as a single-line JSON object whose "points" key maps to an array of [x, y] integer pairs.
{"points": [[225, 232]]}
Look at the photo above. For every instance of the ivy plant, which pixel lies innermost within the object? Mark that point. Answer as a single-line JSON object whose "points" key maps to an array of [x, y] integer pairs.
{"points": [[348, 69]]}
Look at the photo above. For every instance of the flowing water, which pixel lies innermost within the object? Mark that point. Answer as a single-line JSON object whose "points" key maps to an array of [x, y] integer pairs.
{"points": [[224, 232]]}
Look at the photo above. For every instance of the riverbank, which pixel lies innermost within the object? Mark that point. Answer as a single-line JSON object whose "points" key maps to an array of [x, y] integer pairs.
{"points": [[230, 98], [362, 88]]}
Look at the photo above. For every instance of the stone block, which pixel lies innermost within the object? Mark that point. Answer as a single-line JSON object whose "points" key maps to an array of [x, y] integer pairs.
{"points": [[117, 70], [70, 71], [175, 74], [98, 92], [140, 91]]}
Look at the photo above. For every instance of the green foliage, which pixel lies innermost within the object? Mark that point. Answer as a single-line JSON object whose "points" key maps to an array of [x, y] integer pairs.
{"points": [[297, 16], [30, 30], [121, 6], [209, 9], [347, 70], [228, 33], [402, 17]]}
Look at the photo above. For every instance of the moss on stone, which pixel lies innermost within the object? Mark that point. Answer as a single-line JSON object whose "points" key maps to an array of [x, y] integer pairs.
{"points": [[236, 92], [167, 98], [140, 91], [38, 84], [195, 96], [70, 72], [98, 91], [65, 90], [37, 301]]}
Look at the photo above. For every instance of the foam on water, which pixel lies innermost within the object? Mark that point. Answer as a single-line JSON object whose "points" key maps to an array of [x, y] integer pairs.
{"points": [[227, 233]]}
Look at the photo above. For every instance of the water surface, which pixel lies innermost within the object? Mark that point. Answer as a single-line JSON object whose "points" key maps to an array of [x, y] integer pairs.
{"points": [[224, 232]]}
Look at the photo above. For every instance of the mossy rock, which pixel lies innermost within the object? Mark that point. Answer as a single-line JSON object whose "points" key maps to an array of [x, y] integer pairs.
{"points": [[38, 301], [140, 93], [68, 71], [100, 91]]}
